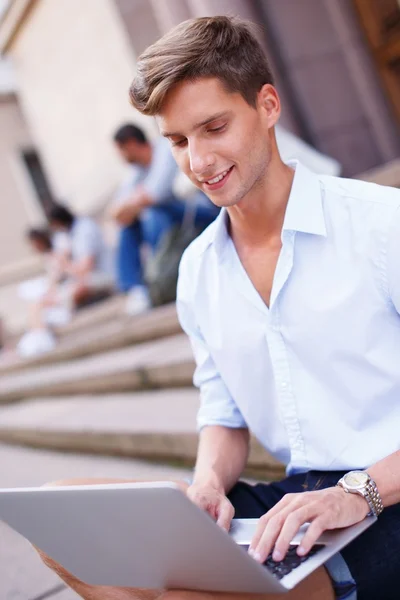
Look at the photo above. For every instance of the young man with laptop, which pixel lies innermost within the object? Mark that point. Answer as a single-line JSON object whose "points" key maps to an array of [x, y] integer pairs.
{"points": [[291, 300]]}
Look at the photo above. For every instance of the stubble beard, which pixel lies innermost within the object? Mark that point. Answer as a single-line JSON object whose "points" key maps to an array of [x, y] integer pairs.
{"points": [[255, 180]]}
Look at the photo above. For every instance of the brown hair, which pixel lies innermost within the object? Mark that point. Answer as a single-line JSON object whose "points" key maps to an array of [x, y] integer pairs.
{"points": [[221, 47]]}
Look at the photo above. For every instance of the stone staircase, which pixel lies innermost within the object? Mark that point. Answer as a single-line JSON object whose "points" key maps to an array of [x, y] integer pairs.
{"points": [[114, 385]]}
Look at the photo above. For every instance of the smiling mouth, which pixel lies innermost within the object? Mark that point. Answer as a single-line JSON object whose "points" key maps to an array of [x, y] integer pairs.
{"points": [[218, 178]]}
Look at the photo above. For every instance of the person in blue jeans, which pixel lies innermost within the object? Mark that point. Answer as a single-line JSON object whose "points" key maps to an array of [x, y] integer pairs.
{"points": [[146, 207]]}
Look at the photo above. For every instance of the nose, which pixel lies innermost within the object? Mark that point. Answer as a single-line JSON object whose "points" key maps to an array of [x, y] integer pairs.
{"points": [[200, 157]]}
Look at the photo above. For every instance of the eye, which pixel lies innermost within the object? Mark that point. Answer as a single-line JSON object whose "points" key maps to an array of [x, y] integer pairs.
{"points": [[179, 143], [216, 129]]}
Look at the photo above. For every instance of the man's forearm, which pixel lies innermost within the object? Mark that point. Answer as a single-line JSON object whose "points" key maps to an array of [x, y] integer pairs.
{"points": [[386, 474], [125, 213], [222, 456]]}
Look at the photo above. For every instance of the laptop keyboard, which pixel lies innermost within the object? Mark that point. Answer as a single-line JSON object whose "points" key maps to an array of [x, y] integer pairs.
{"points": [[291, 561]]}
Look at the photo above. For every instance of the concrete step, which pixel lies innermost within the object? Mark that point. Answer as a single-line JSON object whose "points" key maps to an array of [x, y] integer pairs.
{"points": [[157, 425], [162, 363], [86, 317], [386, 174], [94, 315], [116, 332]]}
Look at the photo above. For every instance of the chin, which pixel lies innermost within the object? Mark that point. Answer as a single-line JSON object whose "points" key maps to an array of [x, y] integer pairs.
{"points": [[222, 202]]}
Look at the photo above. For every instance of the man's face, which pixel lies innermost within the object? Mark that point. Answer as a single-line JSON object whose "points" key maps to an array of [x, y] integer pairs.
{"points": [[218, 140], [130, 151], [57, 226], [39, 245]]}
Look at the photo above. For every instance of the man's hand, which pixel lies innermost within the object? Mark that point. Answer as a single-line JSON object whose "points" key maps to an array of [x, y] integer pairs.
{"points": [[126, 212], [214, 502], [323, 509]]}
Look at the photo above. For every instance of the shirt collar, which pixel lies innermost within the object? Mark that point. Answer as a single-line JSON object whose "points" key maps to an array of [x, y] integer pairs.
{"points": [[304, 211]]}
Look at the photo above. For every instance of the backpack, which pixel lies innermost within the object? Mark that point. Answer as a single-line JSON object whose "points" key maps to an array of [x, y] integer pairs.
{"points": [[161, 269]]}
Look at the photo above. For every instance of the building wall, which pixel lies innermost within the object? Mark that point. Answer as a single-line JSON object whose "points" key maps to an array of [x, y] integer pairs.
{"points": [[73, 64], [329, 68], [18, 204]]}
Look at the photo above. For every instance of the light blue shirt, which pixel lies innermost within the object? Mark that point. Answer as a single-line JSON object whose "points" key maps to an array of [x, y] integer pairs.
{"points": [[316, 376], [157, 178]]}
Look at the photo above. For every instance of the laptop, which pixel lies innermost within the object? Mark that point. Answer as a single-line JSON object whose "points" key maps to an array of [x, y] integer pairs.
{"points": [[150, 535]]}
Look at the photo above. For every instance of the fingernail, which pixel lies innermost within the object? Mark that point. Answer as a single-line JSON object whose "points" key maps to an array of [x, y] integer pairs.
{"points": [[257, 556], [301, 550], [277, 555], [251, 551]]}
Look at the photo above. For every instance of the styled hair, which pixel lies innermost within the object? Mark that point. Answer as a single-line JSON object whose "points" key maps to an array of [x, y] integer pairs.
{"points": [[61, 214], [128, 132], [40, 235], [221, 47]]}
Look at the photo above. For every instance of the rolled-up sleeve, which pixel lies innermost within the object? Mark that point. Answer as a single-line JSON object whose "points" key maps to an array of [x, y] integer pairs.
{"points": [[217, 407]]}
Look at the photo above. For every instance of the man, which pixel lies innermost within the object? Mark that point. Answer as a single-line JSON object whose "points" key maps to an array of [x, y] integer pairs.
{"points": [[51, 296], [88, 266], [146, 207], [291, 302]]}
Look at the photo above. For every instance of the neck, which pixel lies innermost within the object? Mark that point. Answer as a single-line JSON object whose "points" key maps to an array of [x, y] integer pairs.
{"points": [[258, 219]]}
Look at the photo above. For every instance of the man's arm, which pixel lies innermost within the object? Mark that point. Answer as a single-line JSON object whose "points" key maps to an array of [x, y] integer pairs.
{"points": [[224, 437], [386, 474], [80, 268], [222, 456], [127, 211], [127, 202]]}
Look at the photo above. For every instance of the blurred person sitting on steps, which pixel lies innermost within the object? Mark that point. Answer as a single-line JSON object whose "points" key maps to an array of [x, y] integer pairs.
{"points": [[79, 269], [147, 206], [53, 249], [88, 267]]}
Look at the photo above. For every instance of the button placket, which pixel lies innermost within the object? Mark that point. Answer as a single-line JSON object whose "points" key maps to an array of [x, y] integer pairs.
{"points": [[284, 389]]}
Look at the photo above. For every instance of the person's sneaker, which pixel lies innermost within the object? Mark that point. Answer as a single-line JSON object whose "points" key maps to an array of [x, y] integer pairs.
{"points": [[138, 300], [35, 342]]}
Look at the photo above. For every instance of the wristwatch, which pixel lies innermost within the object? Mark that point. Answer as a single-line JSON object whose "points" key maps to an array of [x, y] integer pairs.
{"points": [[360, 482]]}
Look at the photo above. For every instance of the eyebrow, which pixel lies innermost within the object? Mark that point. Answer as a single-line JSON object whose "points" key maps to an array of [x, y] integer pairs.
{"points": [[214, 117]]}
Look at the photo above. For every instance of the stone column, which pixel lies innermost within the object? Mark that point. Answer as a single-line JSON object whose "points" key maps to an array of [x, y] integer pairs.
{"points": [[169, 13], [241, 8]]}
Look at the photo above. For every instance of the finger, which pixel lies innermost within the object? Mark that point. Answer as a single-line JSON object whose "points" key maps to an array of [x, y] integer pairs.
{"points": [[292, 524], [264, 520], [316, 528], [266, 542], [225, 516], [281, 510]]}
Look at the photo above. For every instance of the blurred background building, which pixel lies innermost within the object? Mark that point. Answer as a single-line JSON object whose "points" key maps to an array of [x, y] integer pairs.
{"points": [[67, 66]]}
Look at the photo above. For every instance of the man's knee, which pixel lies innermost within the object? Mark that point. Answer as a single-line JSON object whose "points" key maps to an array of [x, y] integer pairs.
{"points": [[183, 485], [68, 482]]}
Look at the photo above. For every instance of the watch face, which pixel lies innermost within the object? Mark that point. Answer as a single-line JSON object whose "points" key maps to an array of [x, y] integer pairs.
{"points": [[356, 479]]}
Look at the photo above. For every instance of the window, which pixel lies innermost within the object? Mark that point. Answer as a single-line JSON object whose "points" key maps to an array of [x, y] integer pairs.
{"points": [[38, 178], [381, 22]]}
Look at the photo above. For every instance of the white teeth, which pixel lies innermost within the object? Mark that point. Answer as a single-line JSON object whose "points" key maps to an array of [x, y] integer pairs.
{"points": [[218, 178]]}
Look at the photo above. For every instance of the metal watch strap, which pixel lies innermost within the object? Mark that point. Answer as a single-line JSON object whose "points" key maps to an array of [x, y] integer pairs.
{"points": [[373, 498]]}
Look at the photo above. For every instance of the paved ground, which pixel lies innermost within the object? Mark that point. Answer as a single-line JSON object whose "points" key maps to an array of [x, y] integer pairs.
{"points": [[22, 575]]}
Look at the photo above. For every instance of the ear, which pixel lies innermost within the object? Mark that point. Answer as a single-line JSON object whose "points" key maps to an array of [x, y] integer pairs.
{"points": [[269, 102]]}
